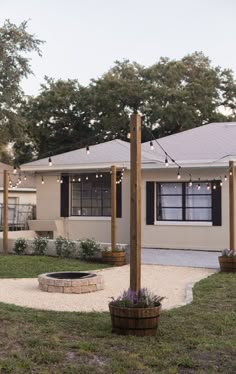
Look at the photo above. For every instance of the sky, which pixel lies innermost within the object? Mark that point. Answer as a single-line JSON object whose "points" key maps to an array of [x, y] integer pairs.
{"points": [[83, 38]]}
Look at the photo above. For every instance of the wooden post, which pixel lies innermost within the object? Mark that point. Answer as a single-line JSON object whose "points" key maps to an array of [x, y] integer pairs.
{"points": [[5, 212], [113, 207], [135, 202], [231, 207]]}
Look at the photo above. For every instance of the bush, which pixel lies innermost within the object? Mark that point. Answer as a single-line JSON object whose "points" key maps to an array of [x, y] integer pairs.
{"points": [[64, 247], [20, 246], [40, 245], [89, 248]]}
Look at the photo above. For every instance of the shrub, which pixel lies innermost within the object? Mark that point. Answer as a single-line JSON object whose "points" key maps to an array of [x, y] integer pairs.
{"points": [[89, 248], [141, 299], [64, 247], [40, 245], [20, 246]]}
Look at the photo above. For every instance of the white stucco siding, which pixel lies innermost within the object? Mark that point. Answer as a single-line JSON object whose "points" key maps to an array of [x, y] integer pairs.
{"points": [[48, 197], [170, 235]]}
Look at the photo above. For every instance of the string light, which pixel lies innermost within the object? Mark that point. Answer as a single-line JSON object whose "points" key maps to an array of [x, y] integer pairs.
{"points": [[79, 179], [42, 180], [97, 175], [61, 181], [221, 183], [230, 173], [214, 186], [58, 179], [190, 183], [178, 174], [100, 175], [151, 145], [87, 150], [208, 186], [199, 184], [73, 179], [25, 178], [225, 177], [166, 161], [86, 178], [128, 135], [49, 161], [14, 171]]}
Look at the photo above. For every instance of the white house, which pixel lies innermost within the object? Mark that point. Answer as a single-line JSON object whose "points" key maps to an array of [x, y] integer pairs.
{"points": [[182, 207]]}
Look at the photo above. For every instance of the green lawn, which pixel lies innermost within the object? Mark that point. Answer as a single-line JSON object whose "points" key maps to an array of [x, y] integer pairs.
{"points": [[31, 266], [197, 338]]}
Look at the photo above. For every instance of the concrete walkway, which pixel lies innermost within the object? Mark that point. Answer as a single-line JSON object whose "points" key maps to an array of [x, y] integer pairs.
{"points": [[178, 257]]}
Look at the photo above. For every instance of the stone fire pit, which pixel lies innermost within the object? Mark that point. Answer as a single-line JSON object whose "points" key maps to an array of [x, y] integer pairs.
{"points": [[71, 282]]}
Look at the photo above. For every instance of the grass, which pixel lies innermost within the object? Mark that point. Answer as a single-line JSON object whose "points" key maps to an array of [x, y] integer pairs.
{"points": [[31, 266], [197, 338]]}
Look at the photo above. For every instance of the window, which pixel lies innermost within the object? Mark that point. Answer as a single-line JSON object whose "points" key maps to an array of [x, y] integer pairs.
{"points": [[180, 202], [91, 195]]}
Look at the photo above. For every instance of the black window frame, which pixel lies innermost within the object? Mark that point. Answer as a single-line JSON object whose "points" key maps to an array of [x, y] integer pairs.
{"points": [[183, 206], [101, 183]]}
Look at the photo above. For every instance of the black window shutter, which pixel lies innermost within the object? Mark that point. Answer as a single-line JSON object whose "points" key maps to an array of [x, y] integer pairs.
{"points": [[65, 196], [216, 204], [119, 200], [150, 203]]}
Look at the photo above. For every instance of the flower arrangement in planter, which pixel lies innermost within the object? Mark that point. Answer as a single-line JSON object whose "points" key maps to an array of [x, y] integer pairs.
{"points": [[115, 257], [135, 313], [227, 261]]}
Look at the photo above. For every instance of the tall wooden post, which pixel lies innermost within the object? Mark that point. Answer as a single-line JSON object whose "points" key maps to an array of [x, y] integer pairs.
{"points": [[5, 212], [135, 202], [231, 207], [113, 207]]}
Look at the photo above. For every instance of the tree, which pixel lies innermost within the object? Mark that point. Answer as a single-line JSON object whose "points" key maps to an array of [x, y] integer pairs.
{"points": [[58, 119], [188, 93], [15, 44], [118, 93], [172, 96]]}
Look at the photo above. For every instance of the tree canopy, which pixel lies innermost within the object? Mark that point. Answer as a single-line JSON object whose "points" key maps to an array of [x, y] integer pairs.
{"points": [[15, 44]]}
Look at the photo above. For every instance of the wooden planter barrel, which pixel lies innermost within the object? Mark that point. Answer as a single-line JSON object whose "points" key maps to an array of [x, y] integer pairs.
{"points": [[114, 258], [227, 264], [134, 321]]}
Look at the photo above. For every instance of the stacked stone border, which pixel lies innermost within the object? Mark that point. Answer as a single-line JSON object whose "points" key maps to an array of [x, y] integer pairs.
{"points": [[78, 286]]}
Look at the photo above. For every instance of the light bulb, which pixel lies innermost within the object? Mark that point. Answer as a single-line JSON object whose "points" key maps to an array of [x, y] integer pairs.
{"points": [[166, 161], [151, 145], [42, 181], [87, 150], [225, 178], [49, 161], [14, 171]]}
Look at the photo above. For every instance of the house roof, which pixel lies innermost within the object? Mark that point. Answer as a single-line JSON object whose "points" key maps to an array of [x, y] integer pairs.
{"points": [[209, 145], [114, 152], [27, 184]]}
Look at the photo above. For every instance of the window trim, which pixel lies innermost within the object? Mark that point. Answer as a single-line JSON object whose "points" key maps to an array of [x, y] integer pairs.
{"points": [[183, 208]]}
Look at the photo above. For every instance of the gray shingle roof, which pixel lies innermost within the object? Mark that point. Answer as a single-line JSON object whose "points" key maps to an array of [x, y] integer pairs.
{"points": [[206, 144]]}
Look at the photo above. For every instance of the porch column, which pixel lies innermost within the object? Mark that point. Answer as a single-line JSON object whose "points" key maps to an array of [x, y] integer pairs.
{"points": [[113, 207], [231, 207], [135, 202], [5, 212]]}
